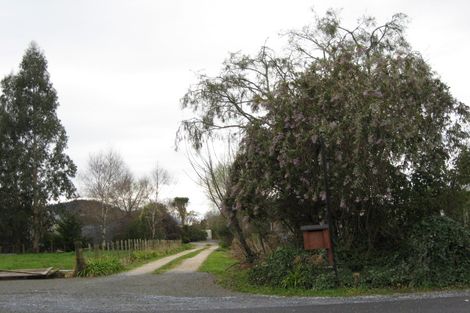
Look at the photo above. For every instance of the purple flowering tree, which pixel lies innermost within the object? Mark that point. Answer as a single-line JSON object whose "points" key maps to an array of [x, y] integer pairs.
{"points": [[389, 125]]}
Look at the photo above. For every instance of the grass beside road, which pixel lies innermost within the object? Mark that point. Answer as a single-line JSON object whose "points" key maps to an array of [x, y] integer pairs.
{"points": [[177, 261], [63, 260], [229, 274], [66, 260]]}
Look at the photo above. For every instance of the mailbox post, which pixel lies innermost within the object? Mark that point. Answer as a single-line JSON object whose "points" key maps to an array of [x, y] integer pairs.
{"points": [[318, 237]]}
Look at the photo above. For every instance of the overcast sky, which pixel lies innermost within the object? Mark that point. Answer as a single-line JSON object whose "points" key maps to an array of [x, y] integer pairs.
{"points": [[121, 67]]}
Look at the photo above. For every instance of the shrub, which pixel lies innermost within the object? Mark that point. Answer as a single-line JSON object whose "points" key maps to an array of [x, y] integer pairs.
{"points": [[290, 267], [439, 252], [192, 233], [386, 276], [436, 253], [102, 266]]}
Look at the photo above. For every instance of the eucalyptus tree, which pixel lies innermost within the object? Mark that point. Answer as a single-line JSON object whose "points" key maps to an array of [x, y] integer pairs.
{"points": [[387, 125], [34, 166]]}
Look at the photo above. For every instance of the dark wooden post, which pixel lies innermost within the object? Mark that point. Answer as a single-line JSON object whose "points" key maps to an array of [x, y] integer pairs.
{"points": [[80, 263], [328, 208]]}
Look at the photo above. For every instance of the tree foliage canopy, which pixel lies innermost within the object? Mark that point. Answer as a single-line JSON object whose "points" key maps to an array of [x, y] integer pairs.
{"points": [[34, 167], [388, 124]]}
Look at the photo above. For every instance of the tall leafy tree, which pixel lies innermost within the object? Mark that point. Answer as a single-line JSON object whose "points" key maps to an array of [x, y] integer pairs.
{"points": [[35, 168], [386, 123], [14, 213]]}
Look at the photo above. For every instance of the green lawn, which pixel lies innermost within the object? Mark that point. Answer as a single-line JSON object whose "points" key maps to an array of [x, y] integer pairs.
{"points": [[230, 275], [218, 263], [177, 261], [63, 260], [66, 260]]}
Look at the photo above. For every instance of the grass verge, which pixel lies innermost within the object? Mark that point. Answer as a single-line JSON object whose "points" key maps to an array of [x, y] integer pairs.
{"points": [[99, 264], [177, 261], [230, 275], [111, 264], [62, 260]]}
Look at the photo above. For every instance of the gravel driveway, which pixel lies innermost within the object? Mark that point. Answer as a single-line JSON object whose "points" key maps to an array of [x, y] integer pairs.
{"points": [[178, 291]]}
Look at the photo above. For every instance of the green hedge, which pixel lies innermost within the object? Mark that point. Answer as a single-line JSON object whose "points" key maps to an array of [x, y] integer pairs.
{"points": [[436, 253]]}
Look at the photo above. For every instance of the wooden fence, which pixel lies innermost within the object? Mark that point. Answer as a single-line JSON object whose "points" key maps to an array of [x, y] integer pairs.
{"points": [[135, 245]]}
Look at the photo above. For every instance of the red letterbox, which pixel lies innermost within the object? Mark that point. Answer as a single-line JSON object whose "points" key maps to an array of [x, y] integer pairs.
{"points": [[317, 237]]}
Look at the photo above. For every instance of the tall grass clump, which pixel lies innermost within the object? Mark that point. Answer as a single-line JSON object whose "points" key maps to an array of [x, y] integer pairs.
{"points": [[102, 266]]}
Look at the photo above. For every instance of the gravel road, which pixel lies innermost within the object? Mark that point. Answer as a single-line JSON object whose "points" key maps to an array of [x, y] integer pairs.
{"points": [[152, 266], [176, 292], [182, 291], [192, 264]]}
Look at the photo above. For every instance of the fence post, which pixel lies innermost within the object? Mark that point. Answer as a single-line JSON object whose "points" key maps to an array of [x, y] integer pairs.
{"points": [[80, 263], [96, 249]]}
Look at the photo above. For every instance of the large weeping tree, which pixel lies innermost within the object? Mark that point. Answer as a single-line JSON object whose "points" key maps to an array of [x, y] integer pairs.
{"points": [[387, 125], [34, 166]]}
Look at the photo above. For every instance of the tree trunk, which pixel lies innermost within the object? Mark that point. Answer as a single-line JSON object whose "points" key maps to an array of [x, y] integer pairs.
{"points": [[36, 222], [36, 233], [249, 255], [80, 263], [154, 222], [104, 214]]}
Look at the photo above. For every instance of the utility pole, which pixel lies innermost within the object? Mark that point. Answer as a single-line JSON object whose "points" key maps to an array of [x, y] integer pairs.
{"points": [[328, 206]]}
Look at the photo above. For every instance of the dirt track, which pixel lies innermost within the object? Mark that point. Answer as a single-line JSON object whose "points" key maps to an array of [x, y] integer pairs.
{"points": [[193, 264]]}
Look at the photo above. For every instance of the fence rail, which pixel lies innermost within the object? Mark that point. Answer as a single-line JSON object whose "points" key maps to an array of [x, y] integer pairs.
{"points": [[135, 245]]}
